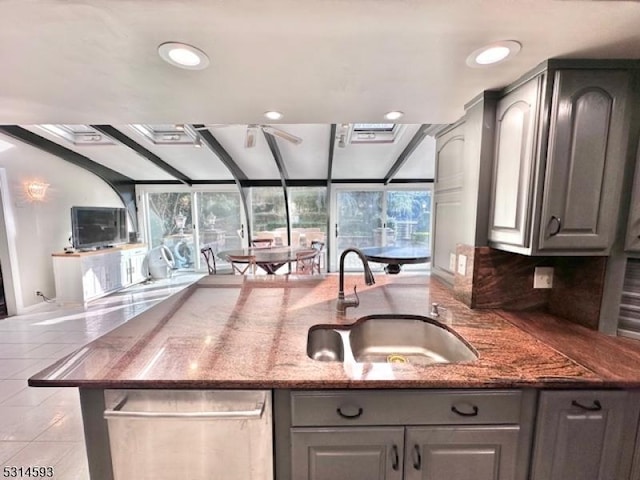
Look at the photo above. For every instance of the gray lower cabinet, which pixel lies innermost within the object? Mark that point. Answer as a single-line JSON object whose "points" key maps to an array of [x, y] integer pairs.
{"points": [[353, 453], [583, 435], [461, 453], [403, 435]]}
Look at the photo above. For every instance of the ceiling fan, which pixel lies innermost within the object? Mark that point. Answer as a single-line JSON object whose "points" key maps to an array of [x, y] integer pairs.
{"points": [[252, 132]]}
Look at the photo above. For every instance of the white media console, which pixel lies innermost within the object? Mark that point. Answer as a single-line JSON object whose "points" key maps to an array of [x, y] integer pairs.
{"points": [[84, 276]]}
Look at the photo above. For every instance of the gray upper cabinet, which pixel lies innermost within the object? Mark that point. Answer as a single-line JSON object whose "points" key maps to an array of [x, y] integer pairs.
{"points": [[514, 161], [633, 228], [581, 435], [585, 163], [447, 203], [559, 161]]}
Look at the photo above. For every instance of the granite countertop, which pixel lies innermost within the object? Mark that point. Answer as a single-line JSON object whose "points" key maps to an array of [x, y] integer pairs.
{"points": [[251, 332]]}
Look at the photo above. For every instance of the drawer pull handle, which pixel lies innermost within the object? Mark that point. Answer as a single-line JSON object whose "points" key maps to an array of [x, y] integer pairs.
{"points": [[417, 458], [596, 407], [558, 227], [395, 464], [454, 409], [350, 416]]}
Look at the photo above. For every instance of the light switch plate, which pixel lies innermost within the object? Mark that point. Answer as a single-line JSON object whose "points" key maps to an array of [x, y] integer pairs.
{"points": [[452, 262], [462, 264], [543, 277]]}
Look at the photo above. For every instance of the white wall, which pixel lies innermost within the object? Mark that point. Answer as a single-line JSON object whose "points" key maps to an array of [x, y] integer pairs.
{"points": [[32, 230]]}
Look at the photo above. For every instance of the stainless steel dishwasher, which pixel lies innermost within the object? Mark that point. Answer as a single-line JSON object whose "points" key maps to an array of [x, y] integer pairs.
{"points": [[194, 434]]}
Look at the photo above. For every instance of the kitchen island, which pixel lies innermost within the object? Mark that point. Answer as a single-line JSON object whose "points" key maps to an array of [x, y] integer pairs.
{"points": [[232, 332]]}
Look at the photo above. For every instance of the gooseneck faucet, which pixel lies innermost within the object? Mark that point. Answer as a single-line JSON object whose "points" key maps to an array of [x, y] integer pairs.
{"points": [[343, 303]]}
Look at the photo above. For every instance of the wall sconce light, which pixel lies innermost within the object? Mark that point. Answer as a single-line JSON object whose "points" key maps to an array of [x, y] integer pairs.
{"points": [[37, 190]]}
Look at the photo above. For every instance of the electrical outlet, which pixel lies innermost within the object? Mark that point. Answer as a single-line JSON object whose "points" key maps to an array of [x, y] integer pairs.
{"points": [[462, 265], [543, 277], [452, 262], [38, 293]]}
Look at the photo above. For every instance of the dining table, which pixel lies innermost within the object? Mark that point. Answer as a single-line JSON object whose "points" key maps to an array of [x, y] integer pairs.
{"points": [[270, 259], [396, 256]]}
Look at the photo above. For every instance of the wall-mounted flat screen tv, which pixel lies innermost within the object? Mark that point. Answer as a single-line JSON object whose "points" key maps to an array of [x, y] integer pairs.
{"points": [[98, 227]]}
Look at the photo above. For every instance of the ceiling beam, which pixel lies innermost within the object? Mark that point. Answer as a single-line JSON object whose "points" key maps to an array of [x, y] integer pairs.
{"points": [[284, 176], [236, 172], [332, 146], [121, 184], [215, 146], [406, 153], [120, 137]]}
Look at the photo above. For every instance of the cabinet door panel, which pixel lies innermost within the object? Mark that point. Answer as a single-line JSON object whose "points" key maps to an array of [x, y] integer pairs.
{"points": [[585, 160], [352, 453], [461, 453], [633, 226], [513, 166], [579, 442]]}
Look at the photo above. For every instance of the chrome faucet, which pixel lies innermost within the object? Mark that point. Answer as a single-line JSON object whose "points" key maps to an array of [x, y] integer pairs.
{"points": [[343, 303]]}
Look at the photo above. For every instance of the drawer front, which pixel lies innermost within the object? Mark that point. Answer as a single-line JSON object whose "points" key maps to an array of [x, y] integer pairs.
{"points": [[345, 407]]}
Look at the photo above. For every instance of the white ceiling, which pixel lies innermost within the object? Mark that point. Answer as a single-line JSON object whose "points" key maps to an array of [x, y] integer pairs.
{"points": [[319, 62]]}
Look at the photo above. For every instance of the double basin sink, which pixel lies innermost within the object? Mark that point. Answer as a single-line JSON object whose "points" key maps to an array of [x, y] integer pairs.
{"points": [[413, 339]]}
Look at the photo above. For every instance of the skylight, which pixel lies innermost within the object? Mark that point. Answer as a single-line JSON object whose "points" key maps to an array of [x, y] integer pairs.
{"points": [[375, 132], [78, 134], [169, 134]]}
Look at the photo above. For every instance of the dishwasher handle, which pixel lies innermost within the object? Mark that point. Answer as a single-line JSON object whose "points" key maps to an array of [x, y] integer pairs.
{"points": [[254, 414]]}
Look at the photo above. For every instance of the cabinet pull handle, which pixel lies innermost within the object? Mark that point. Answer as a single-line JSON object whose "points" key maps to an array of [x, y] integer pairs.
{"points": [[349, 416], [557, 230], [395, 464], [337, 230], [596, 407], [454, 409], [417, 458]]}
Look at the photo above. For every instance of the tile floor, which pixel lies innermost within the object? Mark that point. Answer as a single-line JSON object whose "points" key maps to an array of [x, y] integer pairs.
{"points": [[43, 426]]}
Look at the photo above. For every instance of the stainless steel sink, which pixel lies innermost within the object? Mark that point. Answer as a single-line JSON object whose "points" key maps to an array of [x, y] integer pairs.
{"points": [[411, 339], [324, 344]]}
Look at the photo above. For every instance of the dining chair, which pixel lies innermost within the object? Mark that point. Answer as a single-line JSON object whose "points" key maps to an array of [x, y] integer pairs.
{"points": [[305, 260], [262, 242], [319, 247], [210, 259], [242, 264]]}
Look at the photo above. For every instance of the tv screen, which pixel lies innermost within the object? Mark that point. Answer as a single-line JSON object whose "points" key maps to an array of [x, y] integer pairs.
{"points": [[98, 227]]}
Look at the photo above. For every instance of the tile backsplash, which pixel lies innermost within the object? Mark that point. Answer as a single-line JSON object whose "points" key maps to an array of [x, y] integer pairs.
{"points": [[497, 279]]}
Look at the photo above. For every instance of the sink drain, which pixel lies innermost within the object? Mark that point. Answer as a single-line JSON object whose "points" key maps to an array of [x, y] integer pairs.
{"points": [[396, 359]]}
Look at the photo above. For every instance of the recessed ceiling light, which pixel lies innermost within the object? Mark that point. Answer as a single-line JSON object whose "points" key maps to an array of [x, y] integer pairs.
{"points": [[395, 115], [183, 56], [493, 54], [273, 115]]}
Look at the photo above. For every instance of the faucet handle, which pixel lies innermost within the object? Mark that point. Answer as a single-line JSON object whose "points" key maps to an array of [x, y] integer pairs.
{"points": [[434, 310], [355, 292]]}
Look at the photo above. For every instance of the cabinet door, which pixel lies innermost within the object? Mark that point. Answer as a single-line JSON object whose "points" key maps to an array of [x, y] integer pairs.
{"points": [[633, 227], [579, 435], [585, 162], [353, 453], [513, 166], [447, 202], [461, 453]]}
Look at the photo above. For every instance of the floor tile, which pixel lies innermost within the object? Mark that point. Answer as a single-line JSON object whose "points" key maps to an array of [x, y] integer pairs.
{"points": [[9, 449], [9, 388], [73, 466], [43, 454], [27, 423], [28, 396], [13, 366], [17, 350], [68, 429]]}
